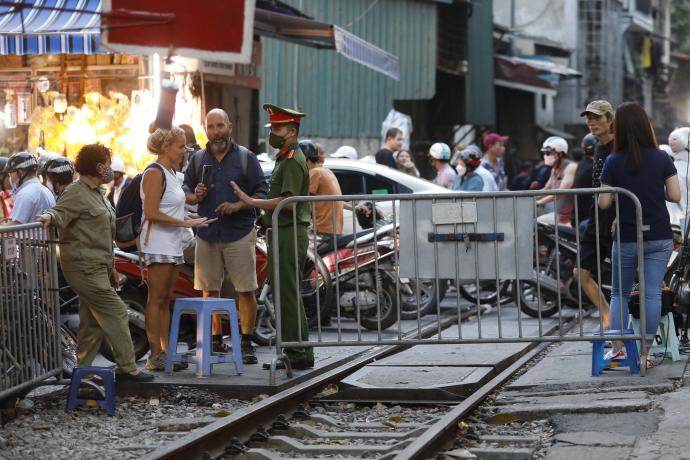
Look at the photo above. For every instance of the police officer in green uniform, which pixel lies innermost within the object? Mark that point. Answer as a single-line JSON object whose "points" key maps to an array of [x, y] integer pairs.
{"points": [[290, 178]]}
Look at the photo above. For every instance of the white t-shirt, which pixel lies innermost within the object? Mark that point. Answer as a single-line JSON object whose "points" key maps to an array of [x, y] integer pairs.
{"points": [[164, 239]]}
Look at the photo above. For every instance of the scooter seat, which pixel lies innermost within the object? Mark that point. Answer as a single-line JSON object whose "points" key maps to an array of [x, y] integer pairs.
{"points": [[342, 241], [568, 231]]}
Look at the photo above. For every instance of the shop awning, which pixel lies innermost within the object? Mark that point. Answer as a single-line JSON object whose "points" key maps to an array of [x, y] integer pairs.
{"points": [[49, 26], [535, 75], [278, 20], [74, 26]]}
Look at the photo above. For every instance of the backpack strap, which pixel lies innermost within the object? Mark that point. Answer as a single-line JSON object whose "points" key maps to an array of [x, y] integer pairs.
{"points": [[244, 158], [165, 183]]}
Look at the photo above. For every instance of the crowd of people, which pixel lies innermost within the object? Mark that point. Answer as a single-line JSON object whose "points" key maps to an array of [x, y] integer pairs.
{"points": [[224, 185]]}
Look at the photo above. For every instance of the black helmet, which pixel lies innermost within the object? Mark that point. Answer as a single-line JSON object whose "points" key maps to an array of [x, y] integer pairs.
{"points": [[309, 149], [588, 143], [60, 170], [3, 163], [21, 160]]}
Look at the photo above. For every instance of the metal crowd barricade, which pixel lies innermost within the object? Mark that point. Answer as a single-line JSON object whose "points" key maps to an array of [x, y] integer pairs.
{"points": [[29, 308], [467, 238]]}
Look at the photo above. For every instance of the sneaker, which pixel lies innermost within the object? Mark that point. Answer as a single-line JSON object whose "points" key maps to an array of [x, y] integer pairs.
{"points": [[157, 363], [220, 347], [248, 353], [297, 364], [138, 377], [612, 354]]}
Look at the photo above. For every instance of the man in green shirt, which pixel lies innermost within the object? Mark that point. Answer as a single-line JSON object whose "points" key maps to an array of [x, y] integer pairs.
{"points": [[290, 178]]}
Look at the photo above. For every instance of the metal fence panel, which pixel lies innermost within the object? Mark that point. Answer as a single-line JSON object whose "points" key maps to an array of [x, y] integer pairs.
{"points": [[486, 229], [29, 308], [383, 277]]}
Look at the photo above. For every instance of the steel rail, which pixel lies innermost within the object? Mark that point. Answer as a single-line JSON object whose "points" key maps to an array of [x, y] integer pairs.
{"points": [[213, 438], [428, 444]]}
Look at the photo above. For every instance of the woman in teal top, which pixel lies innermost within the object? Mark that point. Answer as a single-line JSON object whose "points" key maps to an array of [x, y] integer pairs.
{"points": [[468, 180]]}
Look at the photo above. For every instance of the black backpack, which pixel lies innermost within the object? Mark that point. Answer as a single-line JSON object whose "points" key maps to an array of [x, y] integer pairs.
{"points": [[129, 210]]}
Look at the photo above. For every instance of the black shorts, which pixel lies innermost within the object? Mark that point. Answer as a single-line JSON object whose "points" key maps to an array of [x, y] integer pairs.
{"points": [[588, 243]]}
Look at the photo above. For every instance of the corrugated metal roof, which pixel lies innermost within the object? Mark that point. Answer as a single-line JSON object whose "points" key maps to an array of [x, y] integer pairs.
{"points": [[342, 98]]}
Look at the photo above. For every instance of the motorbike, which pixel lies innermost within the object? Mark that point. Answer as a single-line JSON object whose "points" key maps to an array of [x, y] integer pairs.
{"points": [[557, 257]]}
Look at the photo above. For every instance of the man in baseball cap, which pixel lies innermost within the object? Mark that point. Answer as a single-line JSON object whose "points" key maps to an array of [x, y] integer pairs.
{"points": [[494, 148], [599, 119], [599, 107]]}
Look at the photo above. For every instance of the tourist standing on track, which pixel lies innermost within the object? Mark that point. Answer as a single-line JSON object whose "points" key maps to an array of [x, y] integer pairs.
{"points": [[226, 249], [599, 118], [163, 224], [86, 224], [638, 165], [290, 178]]}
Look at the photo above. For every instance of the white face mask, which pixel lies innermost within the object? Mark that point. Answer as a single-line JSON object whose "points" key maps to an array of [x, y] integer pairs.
{"points": [[549, 160], [460, 168], [13, 185]]}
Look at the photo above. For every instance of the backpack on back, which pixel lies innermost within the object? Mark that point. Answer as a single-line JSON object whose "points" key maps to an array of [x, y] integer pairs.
{"points": [[129, 210]]}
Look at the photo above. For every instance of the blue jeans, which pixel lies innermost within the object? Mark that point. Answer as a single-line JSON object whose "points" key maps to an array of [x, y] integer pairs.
{"points": [[656, 256]]}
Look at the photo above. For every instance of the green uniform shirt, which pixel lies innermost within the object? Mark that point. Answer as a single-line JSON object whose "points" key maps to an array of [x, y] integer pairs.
{"points": [[86, 225], [290, 175]]}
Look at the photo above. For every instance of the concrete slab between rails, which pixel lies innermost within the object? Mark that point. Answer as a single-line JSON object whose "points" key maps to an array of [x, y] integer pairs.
{"points": [[443, 372]]}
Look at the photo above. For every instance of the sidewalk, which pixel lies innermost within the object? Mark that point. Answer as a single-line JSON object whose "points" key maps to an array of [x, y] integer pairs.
{"points": [[612, 416]]}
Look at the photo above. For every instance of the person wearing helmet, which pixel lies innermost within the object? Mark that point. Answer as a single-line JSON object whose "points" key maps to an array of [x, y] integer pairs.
{"points": [[679, 143], [467, 179], [60, 172], [494, 147], [562, 177], [5, 192], [393, 142], [439, 155], [583, 179], [31, 198], [120, 182], [345, 152]]}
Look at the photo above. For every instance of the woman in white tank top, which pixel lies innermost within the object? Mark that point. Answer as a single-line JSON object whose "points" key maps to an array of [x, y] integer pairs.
{"points": [[161, 235]]}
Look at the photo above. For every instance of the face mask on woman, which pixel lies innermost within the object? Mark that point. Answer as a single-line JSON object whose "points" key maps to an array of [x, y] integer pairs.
{"points": [[107, 174]]}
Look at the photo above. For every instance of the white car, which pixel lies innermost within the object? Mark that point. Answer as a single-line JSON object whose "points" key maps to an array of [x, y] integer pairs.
{"points": [[363, 178]]}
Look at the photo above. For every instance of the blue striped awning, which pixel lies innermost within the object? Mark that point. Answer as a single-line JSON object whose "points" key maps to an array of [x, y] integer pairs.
{"points": [[49, 26]]}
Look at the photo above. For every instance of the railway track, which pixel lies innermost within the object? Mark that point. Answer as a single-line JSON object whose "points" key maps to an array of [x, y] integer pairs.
{"points": [[302, 422]]}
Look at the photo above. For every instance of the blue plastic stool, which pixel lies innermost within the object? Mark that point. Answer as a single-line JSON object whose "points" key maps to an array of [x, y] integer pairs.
{"points": [[203, 308], [107, 374], [631, 360]]}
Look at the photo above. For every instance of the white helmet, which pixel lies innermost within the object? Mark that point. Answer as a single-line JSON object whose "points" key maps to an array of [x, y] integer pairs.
{"points": [[678, 139], [345, 152], [440, 151], [117, 165], [555, 143]]}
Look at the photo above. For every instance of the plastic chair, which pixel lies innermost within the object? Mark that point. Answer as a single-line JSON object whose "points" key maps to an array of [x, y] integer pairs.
{"points": [[107, 375], [669, 345], [631, 360], [203, 308]]}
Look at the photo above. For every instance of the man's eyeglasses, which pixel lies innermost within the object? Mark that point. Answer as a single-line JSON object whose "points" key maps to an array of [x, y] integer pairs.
{"points": [[549, 152]]}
